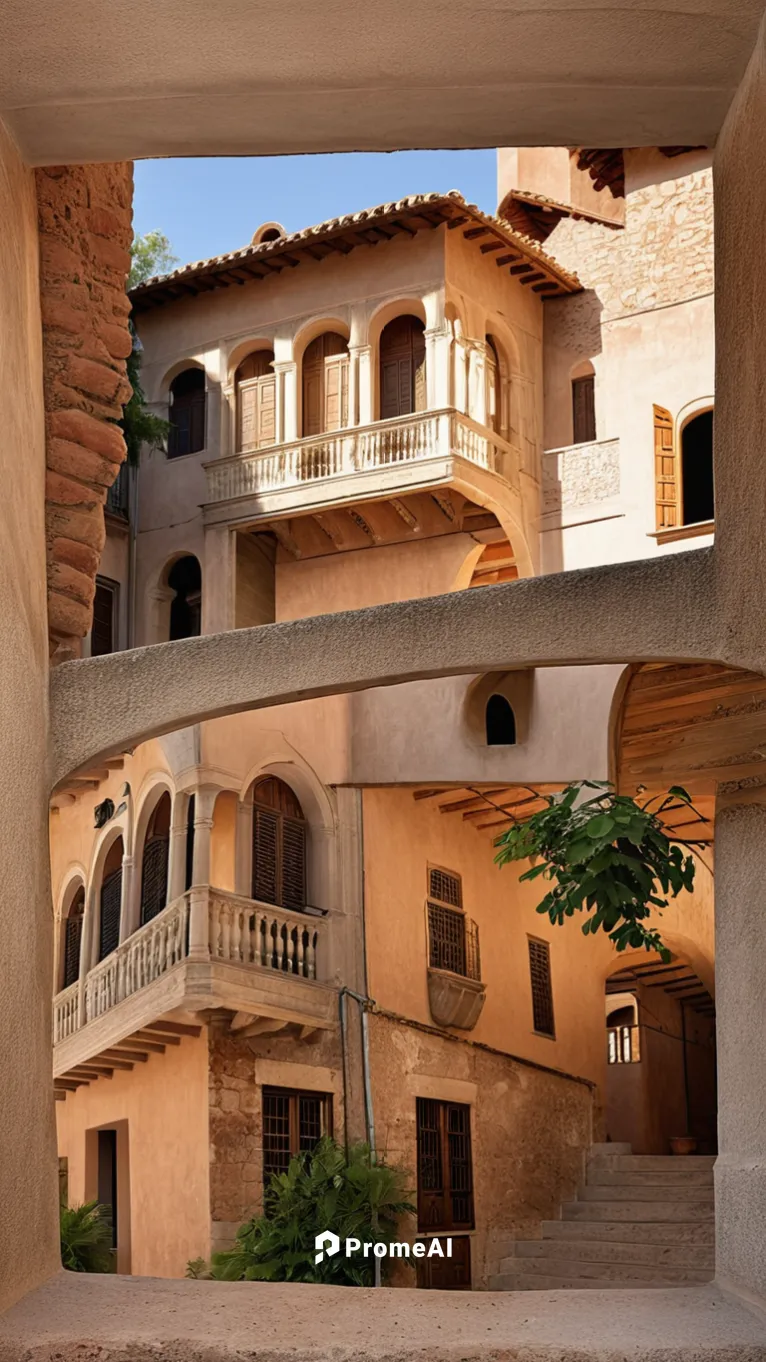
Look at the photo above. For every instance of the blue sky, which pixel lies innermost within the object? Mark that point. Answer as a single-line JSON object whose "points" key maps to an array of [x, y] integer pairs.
{"points": [[209, 206]]}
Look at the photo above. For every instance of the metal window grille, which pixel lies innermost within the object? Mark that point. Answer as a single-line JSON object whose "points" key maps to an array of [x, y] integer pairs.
{"points": [[103, 630], [445, 1165], [154, 877], [293, 1123], [446, 887], [542, 992]]}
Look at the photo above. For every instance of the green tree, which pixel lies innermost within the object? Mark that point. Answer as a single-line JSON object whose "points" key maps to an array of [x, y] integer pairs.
{"points": [[606, 855], [326, 1189], [151, 254], [86, 1238]]}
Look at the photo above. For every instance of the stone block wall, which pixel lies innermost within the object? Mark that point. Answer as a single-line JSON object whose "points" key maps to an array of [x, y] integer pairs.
{"points": [[85, 231]]}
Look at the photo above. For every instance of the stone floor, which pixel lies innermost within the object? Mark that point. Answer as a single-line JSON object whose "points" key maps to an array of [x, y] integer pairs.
{"points": [[132, 1319]]}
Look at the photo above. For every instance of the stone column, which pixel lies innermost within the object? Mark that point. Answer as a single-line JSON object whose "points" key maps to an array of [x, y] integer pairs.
{"points": [[365, 386], [87, 948], [477, 384], [740, 1171], [219, 580], [214, 418], [160, 600], [227, 421], [438, 362], [289, 372], [130, 900], [177, 848], [243, 859], [199, 932]]}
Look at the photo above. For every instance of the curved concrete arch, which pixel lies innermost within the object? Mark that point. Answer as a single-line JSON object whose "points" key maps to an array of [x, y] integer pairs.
{"points": [[663, 609]]}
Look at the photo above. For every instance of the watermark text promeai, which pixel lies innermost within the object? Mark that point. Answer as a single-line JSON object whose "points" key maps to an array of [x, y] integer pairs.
{"points": [[328, 1244]]}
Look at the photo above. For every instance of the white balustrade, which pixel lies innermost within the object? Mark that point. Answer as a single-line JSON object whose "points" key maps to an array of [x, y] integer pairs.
{"points": [[234, 929], [66, 1010], [362, 449], [248, 933]]}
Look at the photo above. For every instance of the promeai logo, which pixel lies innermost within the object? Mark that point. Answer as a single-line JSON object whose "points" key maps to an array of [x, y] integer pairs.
{"points": [[329, 1244]]}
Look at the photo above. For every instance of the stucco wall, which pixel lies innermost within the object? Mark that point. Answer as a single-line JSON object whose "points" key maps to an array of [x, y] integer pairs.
{"points": [[29, 1247], [529, 1129], [165, 1105]]}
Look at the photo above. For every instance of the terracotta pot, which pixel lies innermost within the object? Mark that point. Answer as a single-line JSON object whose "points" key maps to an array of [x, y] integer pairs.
{"points": [[683, 1144]]}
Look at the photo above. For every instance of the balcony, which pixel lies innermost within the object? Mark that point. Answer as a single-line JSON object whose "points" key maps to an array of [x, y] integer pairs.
{"points": [[361, 463], [207, 949]]}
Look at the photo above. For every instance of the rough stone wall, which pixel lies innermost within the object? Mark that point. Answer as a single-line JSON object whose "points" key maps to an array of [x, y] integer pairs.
{"points": [[236, 1126], [530, 1128], [664, 254], [84, 223]]}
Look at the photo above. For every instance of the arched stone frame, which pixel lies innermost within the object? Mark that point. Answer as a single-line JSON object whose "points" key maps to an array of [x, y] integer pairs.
{"points": [[319, 810], [685, 416], [517, 687], [154, 785], [120, 826], [309, 330], [231, 358], [158, 395], [161, 595], [428, 308], [75, 878]]}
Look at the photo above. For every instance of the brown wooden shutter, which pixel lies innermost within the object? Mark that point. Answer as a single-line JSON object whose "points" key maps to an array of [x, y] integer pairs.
{"points": [[583, 410], [666, 472], [293, 864], [265, 856], [336, 392], [154, 877], [402, 368], [102, 630], [542, 989], [72, 939], [111, 899], [267, 411], [248, 415]]}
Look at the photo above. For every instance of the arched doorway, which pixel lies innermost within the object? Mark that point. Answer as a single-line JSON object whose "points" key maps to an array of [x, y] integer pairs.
{"points": [[186, 413], [110, 901], [256, 394], [499, 722], [73, 938], [697, 469], [402, 368], [661, 1061], [279, 845], [185, 579], [325, 384], [154, 862]]}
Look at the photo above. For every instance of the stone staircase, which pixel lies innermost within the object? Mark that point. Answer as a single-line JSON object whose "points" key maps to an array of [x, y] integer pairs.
{"points": [[640, 1220]]}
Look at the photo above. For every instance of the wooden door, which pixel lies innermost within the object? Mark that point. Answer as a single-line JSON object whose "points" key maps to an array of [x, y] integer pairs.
{"points": [[402, 368], [256, 385], [325, 384], [666, 479]]}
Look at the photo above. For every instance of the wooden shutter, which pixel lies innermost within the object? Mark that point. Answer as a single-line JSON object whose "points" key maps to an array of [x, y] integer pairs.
{"points": [[247, 395], [666, 472], [542, 989], [111, 899], [72, 940], [265, 856], [336, 392], [293, 867], [154, 877], [402, 368], [583, 410], [445, 1165], [267, 411], [102, 631]]}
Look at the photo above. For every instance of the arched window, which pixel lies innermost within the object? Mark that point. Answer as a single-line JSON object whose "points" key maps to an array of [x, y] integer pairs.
{"points": [[279, 845], [72, 939], [110, 901], [325, 384], [256, 385], [494, 401], [402, 368], [154, 863], [185, 578], [500, 722], [697, 469], [187, 413]]}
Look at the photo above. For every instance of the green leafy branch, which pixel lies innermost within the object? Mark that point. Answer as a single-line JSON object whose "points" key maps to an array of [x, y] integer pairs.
{"points": [[606, 855]]}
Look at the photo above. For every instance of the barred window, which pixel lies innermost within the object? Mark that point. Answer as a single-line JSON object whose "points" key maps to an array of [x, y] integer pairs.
{"points": [[445, 1165], [453, 938], [72, 939], [154, 863], [542, 990], [293, 1123]]}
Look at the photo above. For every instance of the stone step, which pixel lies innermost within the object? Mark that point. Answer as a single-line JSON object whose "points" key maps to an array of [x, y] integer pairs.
{"points": [[655, 1162], [603, 1251], [603, 1175], [610, 1149], [524, 1282], [667, 1211], [622, 1273], [625, 1232], [639, 1192]]}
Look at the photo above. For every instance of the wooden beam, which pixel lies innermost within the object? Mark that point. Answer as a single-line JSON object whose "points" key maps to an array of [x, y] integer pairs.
{"points": [[507, 259], [139, 1056], [474, 232], [149, 1039], [474, 800], [529, 278], [429, 794], [174, 1028], [490, 246], [93, 1070], [114, 1059], [153, 1046], [285, 538], [59, 1095], [457, 222], [404, 513], [521, 269]]}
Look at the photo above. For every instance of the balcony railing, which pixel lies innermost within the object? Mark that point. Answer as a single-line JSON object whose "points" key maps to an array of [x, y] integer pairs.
{"points": [[362, 449], [208, 925]]}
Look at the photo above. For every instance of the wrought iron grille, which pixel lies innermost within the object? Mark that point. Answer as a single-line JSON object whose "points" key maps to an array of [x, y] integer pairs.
{"points": [[293, 1123], [542, 991]]}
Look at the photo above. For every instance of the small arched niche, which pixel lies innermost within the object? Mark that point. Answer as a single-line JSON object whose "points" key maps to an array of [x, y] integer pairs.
{"points": [[110, 900], [154, 861], [187, 413], [185, 580], [256, 394], [279, 873], [325, 384], [72, 938], [697, 469], [402, 367], [499, 722]]}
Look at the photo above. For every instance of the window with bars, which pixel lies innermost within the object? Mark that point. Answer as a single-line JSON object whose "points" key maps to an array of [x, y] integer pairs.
{"points": [[445, 1165], [279, 846], [453, 938], [104, 628], [293, 1123], [72, 939], [542, 989]]}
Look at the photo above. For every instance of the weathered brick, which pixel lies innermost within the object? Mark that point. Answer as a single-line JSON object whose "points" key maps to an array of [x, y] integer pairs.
{"points": [[74, 460], [57, 258], [61, 317], [63, 491], [116, 338], [67, 618], [111, 255], [99, 380], [85, 524], [83, 429], [79, 556], [71, 582], [102, 222]]}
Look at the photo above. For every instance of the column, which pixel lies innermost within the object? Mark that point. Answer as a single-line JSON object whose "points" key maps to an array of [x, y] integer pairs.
{"points": [[219, 580], [243, 866], [227, 421], [477, 384], [177, 848], [460, 375], [130, 900], [740, 1171], [438, 362], [364, 384], [87, 949], [287, 400], [160, 599], [199, 931]]}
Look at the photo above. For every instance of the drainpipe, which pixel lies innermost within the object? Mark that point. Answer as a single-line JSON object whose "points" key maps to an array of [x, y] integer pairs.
{"points": [[364, 1004], [132, 552]]}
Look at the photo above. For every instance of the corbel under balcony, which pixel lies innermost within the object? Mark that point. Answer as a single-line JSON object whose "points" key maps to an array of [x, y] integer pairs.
{"points": [[207, 951], [455, 1000]]}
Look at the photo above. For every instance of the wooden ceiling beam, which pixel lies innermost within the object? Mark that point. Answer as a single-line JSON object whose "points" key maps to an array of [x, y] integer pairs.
{"points": [[137, 1056], [473, 233], [174, 1028], [115, 1059]]}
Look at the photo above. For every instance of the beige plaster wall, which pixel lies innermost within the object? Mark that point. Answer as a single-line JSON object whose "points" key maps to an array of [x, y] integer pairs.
{"points": [[165, 1105], [29, 1248], [529, 1128]]}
